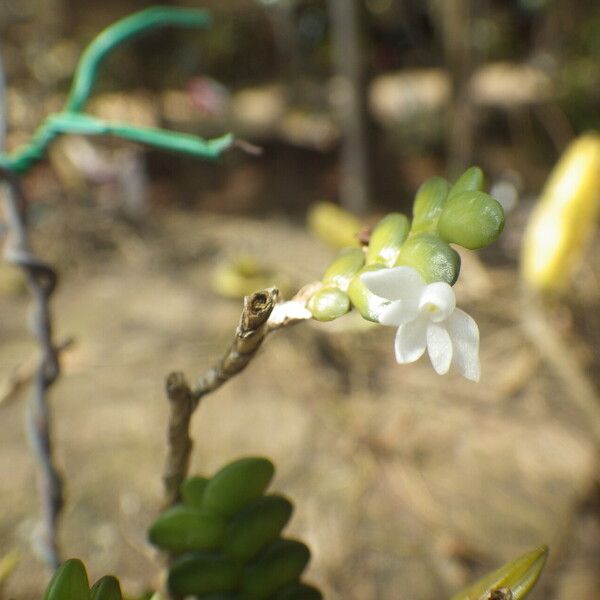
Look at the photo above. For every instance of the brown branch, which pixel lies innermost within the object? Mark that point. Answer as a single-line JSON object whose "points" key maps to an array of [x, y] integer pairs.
{"points": [[261, 315], [179, 443], [247, 340]]}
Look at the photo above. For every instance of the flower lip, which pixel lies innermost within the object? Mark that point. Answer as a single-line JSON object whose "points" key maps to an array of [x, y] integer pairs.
{"points": [[437, 301]]}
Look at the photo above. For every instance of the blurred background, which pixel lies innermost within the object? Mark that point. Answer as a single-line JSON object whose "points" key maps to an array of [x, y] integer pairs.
{"points": [[407, 485]]}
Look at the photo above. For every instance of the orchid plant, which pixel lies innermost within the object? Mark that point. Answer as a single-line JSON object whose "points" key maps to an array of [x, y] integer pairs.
{"points": [[224, 533]]}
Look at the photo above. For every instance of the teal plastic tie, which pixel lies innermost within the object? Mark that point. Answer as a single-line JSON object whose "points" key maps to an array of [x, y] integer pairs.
{"points": [[117, 34], [73, 121]]}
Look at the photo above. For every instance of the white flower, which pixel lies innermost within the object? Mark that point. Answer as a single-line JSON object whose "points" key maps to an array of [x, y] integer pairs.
{"points": [[426, 317]]}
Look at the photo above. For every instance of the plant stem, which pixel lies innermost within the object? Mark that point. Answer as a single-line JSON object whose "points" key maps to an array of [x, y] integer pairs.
{"points": [[261, 315]]}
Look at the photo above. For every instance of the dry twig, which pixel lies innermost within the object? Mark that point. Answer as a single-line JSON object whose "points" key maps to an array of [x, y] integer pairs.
{"points": [[261, 315]]}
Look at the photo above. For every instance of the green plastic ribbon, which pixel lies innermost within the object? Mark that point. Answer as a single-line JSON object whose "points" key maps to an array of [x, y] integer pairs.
{"points": [[73, 121], [123, 31]]}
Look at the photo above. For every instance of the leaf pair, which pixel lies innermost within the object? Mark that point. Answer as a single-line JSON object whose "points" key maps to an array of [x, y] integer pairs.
{"points": [[226, 538], [70, 582]]}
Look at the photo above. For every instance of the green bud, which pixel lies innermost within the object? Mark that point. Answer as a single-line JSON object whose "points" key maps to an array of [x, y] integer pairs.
{"points": [[298, 591], [183, 528], [428, 205], [236, 484], [257, 524], [200, 573], [69, 582], [328, 304], [471, 219], [366, 303], [472, 180], [341, 271], [433, 258], [279, 564], [518, 576], [387, 237], [192, 491], [107, 588]]}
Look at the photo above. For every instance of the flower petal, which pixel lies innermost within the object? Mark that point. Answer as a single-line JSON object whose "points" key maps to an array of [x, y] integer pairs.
{"points": [[411, 341], [438, 301], [397, 283], [439, 347], [399, 312], [464, 334]]}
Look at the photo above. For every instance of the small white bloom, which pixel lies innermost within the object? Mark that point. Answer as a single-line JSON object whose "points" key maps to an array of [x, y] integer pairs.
{"points": [[426, 317]]}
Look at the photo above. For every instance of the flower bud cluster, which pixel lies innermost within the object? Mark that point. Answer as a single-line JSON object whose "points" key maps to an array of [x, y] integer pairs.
{"points": [[443, 214]]}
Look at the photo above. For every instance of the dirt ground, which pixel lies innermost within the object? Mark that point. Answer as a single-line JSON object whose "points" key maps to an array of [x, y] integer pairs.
{"points": [[407, 485]]}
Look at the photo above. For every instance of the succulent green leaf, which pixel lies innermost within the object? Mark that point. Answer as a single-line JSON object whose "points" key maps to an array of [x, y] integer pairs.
{"points": [[257, 524], [344, 267], [277, 565], [70, 582], [519, 576], [472, 180], [221, 596], [387, 238], [201, 573], [428, 205], [192, 491], [431, 257], [366, 303], [236, 484], [471, 219], [298, 591], [183, 528], [106, 588], [328, 304]]}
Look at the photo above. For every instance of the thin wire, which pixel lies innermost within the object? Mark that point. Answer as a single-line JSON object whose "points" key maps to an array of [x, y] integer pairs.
{"points": [[41, 280]]}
